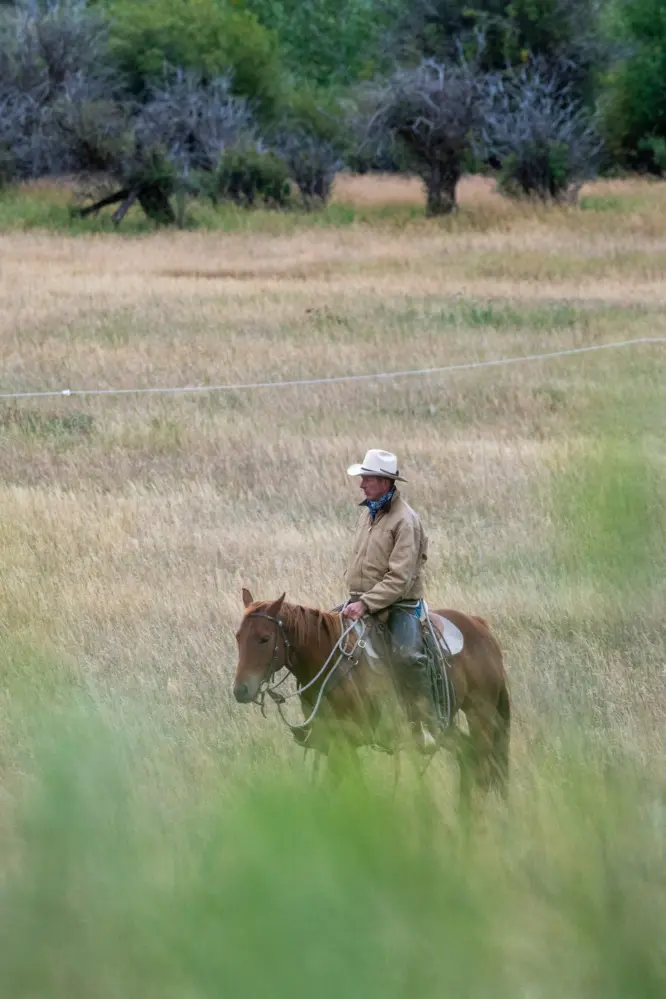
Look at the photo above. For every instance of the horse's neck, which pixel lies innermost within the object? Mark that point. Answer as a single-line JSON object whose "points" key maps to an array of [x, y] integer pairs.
{"points": [[310, 648]]}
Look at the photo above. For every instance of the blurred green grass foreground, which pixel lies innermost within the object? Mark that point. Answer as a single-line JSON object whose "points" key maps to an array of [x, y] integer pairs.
{"points": [[124, 876]]}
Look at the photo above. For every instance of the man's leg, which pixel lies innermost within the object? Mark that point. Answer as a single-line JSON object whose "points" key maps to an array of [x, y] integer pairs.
{"points": [[411, 669]]}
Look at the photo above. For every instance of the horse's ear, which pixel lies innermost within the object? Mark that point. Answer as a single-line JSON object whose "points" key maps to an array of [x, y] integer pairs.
{"points": [[276, 607], [247, 597]]}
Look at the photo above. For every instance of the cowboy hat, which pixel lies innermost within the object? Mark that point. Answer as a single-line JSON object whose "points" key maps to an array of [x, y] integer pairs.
{"points": [[380, 463]]}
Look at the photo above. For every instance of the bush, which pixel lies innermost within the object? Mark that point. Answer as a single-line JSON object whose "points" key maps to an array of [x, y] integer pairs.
{"points": [[311, 138], [94, 133], [7, 169], [53, 60], [545, 141], [246, 176], [200, 35], [539, 169], [655, 147], [193, 121], [44, 45]]}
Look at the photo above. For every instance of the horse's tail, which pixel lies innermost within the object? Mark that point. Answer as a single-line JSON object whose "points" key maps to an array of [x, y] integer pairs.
{"points": [[501, 736]]}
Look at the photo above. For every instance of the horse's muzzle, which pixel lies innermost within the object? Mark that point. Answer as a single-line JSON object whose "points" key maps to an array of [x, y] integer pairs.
{"points": [[242, 693]]}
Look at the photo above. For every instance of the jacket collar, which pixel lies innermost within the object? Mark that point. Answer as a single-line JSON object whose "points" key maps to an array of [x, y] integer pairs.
{"points": [[382, 505]]}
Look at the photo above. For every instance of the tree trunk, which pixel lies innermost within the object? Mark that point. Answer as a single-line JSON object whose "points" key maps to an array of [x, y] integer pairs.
{"points": [[121, 212], [441, 183], [110, 199], [154, 200]]}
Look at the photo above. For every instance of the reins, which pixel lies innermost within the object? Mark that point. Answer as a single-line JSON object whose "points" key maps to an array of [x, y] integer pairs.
{"points": [[266, 690]]}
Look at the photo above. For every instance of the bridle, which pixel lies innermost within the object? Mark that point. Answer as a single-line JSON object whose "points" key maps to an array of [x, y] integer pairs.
{"points": [[279, 633], [265, 689]]}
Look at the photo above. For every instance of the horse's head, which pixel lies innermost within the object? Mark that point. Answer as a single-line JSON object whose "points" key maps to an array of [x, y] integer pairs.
{"points": [[261, 646]]}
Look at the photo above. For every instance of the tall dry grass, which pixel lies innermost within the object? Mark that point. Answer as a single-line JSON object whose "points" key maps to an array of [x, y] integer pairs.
{"points": [[129, 524]]}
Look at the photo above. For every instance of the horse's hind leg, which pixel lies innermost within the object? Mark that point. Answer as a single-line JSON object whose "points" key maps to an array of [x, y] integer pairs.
{"points": [[464, 754], [479, 751], [500, 753]]}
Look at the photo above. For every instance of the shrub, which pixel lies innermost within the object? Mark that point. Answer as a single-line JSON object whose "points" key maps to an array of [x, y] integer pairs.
{"points": [[193, 121], [187, 124], [311, 137], [545, 141], [44, 45], [94, 133], [313, 163], [246, 176], [7, 168], [655, 147], [53, 58]]}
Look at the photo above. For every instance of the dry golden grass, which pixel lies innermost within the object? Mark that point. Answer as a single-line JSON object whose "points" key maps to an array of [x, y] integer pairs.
{"points": [[390, 189], [130, 523]]}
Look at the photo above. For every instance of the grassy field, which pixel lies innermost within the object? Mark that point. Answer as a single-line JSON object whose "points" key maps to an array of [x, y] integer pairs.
{"points": [[158, 839]]}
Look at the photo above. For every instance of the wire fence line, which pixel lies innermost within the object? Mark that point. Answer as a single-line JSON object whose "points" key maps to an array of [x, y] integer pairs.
{"points": [[334, 379]]}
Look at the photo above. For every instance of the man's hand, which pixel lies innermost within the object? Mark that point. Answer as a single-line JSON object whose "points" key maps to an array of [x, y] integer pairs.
{"points": [[354, 611]]}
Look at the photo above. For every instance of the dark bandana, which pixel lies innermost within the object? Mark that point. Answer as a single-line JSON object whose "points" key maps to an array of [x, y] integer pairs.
{"points": [[374, 506]]}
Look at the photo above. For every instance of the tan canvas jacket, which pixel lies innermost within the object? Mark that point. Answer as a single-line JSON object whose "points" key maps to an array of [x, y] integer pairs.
{"points": [[388, 558]]}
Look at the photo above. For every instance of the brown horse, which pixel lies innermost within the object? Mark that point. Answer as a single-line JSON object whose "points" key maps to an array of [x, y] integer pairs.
{"points": [[350, 709]]}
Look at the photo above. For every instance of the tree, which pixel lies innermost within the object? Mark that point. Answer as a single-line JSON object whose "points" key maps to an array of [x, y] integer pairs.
{"points": [[208, 37], [634, 105], [442, 29], [331, 42], [564, 35], [431, 113]]}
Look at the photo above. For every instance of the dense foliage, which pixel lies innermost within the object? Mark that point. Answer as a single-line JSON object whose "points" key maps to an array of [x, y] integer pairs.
{"points": [[542, 91], [635, 94]]}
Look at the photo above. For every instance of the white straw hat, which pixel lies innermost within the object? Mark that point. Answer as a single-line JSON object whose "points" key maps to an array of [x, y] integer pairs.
{"points": [[381, 463]]}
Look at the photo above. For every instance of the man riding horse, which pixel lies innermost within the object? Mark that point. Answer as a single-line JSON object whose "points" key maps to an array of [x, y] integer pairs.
{"points": [[385, 580]]}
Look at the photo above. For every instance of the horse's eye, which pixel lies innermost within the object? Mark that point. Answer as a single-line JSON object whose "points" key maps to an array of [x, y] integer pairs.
{"points": [[263, 639]]}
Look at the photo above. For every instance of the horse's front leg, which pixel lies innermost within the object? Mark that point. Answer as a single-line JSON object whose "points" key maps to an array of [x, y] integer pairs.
{"points": [[464, 753], [343, 762]]}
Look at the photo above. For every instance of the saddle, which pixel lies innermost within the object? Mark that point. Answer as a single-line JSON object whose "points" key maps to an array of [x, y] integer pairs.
{"points": [[442, 641], [449, 637]]}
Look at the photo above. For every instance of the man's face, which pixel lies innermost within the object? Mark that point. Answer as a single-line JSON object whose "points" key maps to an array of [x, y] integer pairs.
{"points": [[375, 486]]}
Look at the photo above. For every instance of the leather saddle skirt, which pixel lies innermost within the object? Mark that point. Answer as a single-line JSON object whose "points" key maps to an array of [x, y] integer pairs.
{"points": [[449, 637]]}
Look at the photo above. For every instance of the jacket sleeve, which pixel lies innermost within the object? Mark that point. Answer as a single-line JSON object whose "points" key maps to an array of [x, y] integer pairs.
{"points": [[402, 569]]}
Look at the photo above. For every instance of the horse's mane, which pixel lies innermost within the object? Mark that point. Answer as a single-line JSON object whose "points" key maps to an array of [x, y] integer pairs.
{"points": [[304, 621]]}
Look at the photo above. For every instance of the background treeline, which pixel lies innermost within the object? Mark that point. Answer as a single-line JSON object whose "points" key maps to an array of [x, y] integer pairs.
{"points": [[263, 101]]}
